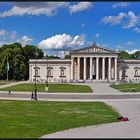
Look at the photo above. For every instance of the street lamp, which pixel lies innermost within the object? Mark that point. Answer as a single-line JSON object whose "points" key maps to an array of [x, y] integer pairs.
{"points": [[47, 84], [35, 87]]}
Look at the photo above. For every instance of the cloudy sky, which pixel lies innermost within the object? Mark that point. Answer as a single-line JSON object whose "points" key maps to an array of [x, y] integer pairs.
{"points": [[59, 26]]}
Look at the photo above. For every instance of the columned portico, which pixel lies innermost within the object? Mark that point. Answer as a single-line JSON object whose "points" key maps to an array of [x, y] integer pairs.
{"points": [[97, 68], [85, 63], [109, 68], [78, 68], [103, 68], [94, 63], [115, 68], [91, 67]]}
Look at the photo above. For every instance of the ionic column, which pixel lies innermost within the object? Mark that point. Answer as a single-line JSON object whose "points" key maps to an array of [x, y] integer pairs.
{"points": [[85, 68], [72, 68], [91, 66], [97, 68], [78, 69], [109, 68], [115, 68], [103, 68]]}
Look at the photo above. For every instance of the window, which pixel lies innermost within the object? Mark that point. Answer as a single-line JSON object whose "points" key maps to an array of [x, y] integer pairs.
{"points": [[136, 72], [124, 74], [37, 70], [62, 72], [49, 71]]}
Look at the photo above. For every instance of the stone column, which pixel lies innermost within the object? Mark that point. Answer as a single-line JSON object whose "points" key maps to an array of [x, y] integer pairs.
{"points": [[72, 59], [103, 68], [115, 68], [109, 68], [78, 68], [97, 68], [85, 68], [91, 67]]}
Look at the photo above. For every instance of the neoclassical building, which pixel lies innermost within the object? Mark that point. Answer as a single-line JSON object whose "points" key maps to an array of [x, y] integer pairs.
{"points": [[92, 63]]}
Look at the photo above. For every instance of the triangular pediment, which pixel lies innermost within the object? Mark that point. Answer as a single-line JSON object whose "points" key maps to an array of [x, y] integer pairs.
{"points": [[94, 48]]}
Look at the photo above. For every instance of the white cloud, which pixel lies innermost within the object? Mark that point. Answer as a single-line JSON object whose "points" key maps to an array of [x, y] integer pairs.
{"points": [[3, 32], [120, 5], [24, 40], [39, 8], [132, 51], [127, 20], [63, 41], [79, 7], [129, 43], [97, 35], [136, 29]]}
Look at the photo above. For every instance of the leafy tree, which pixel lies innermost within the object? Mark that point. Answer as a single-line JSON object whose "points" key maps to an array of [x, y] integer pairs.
{"points": [[53, 57], [136, 55], [124, 55], [67, 57], [30, 52]]}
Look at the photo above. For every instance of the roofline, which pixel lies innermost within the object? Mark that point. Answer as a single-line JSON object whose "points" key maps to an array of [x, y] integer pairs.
{"points": [[94, 44]]}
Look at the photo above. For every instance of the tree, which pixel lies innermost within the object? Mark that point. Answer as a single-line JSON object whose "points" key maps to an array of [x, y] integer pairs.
{"points": [[53, 57], [18, 58], [124, 55], [29, 53], [136, 55], [67, 57]]}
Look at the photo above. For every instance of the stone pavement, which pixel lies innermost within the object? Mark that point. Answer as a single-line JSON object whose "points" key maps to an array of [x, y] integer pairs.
{"points": [[12, 84], [102, 88]]}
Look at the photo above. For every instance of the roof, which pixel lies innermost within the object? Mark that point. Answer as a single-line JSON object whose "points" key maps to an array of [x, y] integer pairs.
{"points": [[94, 48]]}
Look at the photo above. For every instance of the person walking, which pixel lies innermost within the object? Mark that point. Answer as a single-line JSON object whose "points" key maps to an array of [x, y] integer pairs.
{"points": [[32, 96], [9, 93]]}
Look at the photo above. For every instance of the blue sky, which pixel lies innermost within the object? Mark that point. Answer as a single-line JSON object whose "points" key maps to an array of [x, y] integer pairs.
{"points": [[59, 26]]}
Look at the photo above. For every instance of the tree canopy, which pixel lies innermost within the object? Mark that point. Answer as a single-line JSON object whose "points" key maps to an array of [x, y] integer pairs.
{"points": [[18, 58]]}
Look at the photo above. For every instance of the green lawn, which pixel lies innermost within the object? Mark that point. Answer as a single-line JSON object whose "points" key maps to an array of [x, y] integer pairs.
{"points": [[127, 87], [32, 119], [52, 88]]}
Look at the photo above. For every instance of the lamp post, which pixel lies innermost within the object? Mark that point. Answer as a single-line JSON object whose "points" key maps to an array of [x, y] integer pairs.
{"points": [[35, 87], [47, 84]]}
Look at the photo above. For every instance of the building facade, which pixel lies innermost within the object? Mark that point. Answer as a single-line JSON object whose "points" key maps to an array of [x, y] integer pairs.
{"points": [[92, 63]]}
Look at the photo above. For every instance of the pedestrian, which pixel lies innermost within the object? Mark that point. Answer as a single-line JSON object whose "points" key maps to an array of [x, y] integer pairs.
{"points": [[133, 89], [9, 93], [32, 95]]}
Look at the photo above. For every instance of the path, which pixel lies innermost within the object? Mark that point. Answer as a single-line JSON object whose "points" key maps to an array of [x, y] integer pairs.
{"points": [[101, 88], [12, 84]]}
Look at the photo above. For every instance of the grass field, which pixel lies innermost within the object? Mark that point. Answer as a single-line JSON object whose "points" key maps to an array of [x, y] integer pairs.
{"points": [[32, 119], [127, 87], [52, 88]]}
